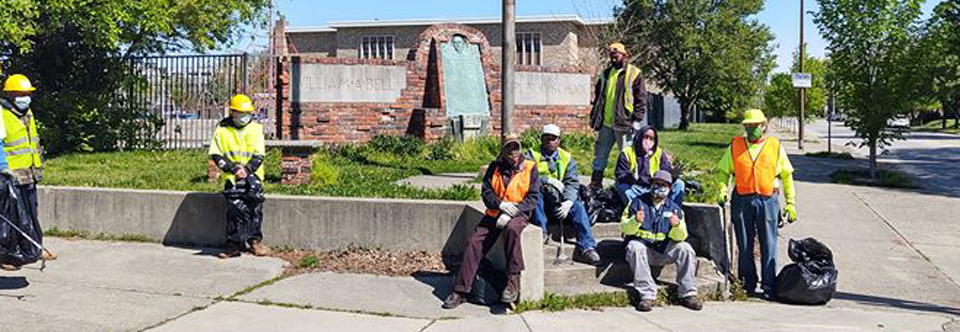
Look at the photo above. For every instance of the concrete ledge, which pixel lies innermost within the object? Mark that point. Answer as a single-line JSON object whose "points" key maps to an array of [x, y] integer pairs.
{"points": [[705, 225]]}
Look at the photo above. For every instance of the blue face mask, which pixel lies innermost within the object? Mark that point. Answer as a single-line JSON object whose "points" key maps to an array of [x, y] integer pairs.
{"points": [[242, 119], [661, 191], [22, 103]]}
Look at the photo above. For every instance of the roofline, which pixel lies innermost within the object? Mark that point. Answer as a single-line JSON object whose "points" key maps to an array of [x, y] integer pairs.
{"points": [[334, 25]]}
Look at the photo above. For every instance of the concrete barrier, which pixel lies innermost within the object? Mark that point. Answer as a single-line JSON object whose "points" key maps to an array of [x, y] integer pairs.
{"points": [[318, 223]]}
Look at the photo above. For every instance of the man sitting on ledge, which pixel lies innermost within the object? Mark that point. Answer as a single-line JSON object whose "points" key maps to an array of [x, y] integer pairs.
{"points": [[510, 192], [654, 229]]}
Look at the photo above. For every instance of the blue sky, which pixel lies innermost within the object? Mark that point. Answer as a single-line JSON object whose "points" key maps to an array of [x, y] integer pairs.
{"points": [[782, 16]]}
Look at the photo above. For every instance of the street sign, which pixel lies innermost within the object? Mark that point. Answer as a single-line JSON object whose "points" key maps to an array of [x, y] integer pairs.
{"points": [[802, 80]]}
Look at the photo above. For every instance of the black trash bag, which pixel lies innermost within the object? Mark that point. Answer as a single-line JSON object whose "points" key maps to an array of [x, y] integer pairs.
{"points": [[244, 209], [603, 206], [15, 247], [812, 278], [488, 285]]}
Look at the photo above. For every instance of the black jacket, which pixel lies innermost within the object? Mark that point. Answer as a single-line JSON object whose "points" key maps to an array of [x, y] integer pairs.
{"points": [[490, 198], [623, 173]]}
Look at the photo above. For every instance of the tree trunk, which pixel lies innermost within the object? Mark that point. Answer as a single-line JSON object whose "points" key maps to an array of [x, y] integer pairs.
{"points": [[873, 160], [684, 113]]}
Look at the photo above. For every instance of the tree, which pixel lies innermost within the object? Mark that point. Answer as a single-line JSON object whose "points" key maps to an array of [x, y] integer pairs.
{"points": [[869, 43], [77, 53], [782, 99], [707, 53], [937, 60]]}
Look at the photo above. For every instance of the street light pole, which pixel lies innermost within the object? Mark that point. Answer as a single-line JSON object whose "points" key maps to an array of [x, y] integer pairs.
{"points": [[508, 61], [803, 91]]}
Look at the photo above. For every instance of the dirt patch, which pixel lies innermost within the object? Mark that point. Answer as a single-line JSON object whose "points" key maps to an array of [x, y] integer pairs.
{"points": [[360, 260]]}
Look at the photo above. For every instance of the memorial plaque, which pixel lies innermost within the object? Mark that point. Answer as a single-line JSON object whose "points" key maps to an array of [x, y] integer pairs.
{"points": [[314, 82], [552, 89], [463, 80]]}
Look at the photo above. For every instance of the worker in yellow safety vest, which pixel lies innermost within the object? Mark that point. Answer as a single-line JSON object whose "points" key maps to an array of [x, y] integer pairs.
{"points": [[238, 149], [21, 146], [756, 162]]}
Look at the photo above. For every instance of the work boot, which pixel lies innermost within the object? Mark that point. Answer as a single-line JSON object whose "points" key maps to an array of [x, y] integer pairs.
{"points": [[454, 300], [644, 305], [9, 267], [596, 180], [230, 251], [512, 291], [589, 256], [691, 303], [258, 249], [48, 256]]}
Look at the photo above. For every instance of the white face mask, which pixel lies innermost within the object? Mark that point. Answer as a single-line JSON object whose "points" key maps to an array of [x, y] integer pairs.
{"points": [[22, 103], [242, 119]]}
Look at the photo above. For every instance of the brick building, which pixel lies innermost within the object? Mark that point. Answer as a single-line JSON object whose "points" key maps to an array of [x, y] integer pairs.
{"points": [[350, 81]]}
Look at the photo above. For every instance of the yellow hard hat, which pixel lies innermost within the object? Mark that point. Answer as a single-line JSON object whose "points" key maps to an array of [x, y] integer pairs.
{"points": [[618, 47], [753, 116], [19, 83], [241, 103]]}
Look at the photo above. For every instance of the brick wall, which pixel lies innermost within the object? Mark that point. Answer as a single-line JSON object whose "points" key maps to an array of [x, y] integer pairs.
{"points": [[419, 110]]}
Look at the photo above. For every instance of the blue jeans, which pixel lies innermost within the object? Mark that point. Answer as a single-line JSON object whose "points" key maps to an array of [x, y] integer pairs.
{"points": [[577, 216], [752, 216], [606, 136], [629, 192]]}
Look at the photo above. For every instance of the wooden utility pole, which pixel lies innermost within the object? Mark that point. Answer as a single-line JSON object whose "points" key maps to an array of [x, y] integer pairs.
{"points": [[508, 62]]}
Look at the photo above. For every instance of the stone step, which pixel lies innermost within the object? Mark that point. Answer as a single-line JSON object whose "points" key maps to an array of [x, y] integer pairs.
{"points": [[600, 231], [579, 278], [610, 248]]}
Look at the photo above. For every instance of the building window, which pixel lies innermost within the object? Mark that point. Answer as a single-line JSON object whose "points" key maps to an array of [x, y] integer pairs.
{"points": [[377, 47], [528, 49]]}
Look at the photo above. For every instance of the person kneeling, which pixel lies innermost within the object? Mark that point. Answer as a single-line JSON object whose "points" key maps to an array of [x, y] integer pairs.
{"points": [[654, 229], [510, 192]]}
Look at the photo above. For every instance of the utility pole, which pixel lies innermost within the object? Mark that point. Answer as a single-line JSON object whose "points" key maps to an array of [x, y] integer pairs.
{"points": [[803, 91], [508, 62]]}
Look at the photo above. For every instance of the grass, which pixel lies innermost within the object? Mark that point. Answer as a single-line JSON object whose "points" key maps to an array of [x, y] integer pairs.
{"points": [[371, 170], [84, 235], [596, 301], [885, 178], [937, 126], [831, 155]]}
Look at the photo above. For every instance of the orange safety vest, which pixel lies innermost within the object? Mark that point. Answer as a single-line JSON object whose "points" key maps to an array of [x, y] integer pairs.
{"points": [[516, 190], [755, 176]]}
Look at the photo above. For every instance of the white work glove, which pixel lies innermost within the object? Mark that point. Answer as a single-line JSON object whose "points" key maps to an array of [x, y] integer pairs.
{"points": [[564, 209], [636, 125], [509, 209], [503, 220], [555, 183]]}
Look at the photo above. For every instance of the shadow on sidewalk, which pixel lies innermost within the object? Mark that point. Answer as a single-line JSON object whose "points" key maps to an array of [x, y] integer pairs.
{"points": [[8, 283], [878, 301], [442, 284]]}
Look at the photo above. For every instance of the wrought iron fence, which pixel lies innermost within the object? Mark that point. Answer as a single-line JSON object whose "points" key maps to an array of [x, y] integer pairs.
{"points": [[190, 93]]}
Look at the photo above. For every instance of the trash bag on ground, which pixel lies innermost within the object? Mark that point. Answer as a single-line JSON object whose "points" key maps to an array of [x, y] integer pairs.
{"points": [[811, 278], [603, 205], [488, 285], [19, 229]]}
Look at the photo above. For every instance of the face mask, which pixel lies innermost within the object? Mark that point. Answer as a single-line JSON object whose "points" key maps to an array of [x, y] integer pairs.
{"points": [[648, 145], [661, 192], [242, 120], [22, 103], [755, 133]]}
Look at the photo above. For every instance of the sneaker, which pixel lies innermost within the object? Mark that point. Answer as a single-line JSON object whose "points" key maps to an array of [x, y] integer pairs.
{"points": [[9, 267], [644, 305], [691, 302], [231, 250], [258, 249], [512, 291], [589, 256], [546, 238], [48, 256], [454, 300]]}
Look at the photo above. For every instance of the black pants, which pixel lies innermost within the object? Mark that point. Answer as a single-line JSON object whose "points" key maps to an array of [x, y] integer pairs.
{"points": [[29, 194], [244, 218]]}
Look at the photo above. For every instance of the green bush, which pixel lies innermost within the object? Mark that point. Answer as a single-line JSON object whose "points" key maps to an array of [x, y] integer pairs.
{"points": [[399, 145], [441, 150], [322, 173]]}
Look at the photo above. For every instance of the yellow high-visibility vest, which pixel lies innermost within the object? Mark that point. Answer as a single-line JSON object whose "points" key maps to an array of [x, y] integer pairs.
{"points": [[22, 144], [239, 146]]}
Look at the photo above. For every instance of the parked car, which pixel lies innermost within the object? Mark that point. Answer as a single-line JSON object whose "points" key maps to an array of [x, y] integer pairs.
{"points": [[899, 122], [836, 117]]}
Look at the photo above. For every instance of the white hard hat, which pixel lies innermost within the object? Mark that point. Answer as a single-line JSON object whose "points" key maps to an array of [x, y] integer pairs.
{"points": [[551, 129]]}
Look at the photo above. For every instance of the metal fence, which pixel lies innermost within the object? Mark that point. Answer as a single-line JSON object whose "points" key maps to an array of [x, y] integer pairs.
{"points": [[190, 93]]}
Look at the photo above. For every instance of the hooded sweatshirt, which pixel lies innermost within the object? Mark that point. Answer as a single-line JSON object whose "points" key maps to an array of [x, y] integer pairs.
{"points": [[623, 173]]}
